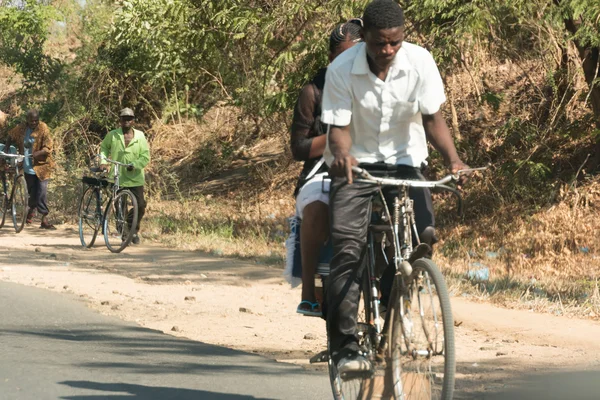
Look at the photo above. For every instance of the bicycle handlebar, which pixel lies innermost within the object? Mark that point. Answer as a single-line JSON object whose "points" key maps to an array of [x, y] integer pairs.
{"points": [[18, 157], [365, 177], [102, 157]]}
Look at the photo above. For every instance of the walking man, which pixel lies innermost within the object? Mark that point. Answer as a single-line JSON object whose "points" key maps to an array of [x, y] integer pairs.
{"points": [[129, 146], [34, 140]]}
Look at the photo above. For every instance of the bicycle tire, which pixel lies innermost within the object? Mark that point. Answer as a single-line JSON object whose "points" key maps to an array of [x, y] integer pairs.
{"points": [[118, 209], [19, 203], [90, 216], [411, 373], [4, 200]]}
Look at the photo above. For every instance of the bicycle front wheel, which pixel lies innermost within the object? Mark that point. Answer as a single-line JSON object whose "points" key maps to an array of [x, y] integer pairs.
{"points": [[90, 216], [421, 350], [120, 221], [19, 203]]}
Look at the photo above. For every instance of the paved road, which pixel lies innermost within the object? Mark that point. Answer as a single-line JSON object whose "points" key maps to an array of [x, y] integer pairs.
{"points": [[53, 347]]}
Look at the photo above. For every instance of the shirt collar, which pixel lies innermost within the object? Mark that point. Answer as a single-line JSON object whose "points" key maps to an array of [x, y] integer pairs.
{"points": [[361, 65], [122, 136]]}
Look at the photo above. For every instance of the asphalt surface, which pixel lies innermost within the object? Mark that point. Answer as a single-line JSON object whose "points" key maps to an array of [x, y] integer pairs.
{"points": [[53, 347]]}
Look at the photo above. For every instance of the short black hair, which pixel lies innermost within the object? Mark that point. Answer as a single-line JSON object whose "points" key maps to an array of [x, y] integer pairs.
{"points": [[33, 113], [383, 14], [349, 31]]}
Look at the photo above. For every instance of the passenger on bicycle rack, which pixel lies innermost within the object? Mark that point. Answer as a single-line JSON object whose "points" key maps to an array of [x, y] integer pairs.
{"points": [[129, 146], [382, 102], [312, 190]]}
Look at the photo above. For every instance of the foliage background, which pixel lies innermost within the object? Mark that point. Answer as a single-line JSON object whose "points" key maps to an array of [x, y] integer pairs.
{"points": [[213, 83]]}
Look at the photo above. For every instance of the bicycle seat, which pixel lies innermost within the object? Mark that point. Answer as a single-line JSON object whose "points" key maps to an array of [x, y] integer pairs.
{"points": [[89, 180]]}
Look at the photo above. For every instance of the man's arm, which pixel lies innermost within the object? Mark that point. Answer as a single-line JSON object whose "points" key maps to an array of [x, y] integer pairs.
{"points": [[340, 143], [305, 147], [47, 145], [105, 150], [337, 112], [439, 136]]}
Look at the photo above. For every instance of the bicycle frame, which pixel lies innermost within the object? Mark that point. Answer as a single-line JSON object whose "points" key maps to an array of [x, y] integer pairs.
{"points": [[401, 223]]}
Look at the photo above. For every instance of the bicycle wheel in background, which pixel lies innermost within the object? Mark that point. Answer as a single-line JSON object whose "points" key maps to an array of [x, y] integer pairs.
{"points": [[90, 216], [421, 349], [19, 203], [4, 203], [118, 231]]}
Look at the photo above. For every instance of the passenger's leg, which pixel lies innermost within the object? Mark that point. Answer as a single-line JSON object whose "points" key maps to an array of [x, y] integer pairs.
{"points": [[313, 234]]}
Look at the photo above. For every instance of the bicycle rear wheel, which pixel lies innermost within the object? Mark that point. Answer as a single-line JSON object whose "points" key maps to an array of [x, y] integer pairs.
{"points": [[90, 216], [120, 221], [19, 203], [4, 203], [421, 349]]}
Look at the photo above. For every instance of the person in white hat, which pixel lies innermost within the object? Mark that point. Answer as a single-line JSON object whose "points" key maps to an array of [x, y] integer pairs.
{"points": [[129, 146]]}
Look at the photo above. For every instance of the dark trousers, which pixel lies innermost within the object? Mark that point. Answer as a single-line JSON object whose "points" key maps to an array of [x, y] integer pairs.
{"points": [[350, 216], [138, 192], [38, 193]]}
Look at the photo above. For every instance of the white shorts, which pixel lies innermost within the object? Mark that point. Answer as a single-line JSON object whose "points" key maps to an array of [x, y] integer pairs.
{"points": [[316, 189]]}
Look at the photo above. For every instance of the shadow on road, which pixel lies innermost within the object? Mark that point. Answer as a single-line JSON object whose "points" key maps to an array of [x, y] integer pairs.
{"points": [[153, 352], [147, 392]]}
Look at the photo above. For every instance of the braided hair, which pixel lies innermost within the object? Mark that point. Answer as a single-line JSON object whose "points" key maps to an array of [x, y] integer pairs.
{"points": [[349, 31], [383, 14]]}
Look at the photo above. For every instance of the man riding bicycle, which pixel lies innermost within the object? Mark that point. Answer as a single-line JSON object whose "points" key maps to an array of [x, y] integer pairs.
{"points": [[382, 101]]}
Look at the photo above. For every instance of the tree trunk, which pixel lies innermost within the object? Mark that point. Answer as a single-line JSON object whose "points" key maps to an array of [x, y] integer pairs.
{"points": [[590, 58]]}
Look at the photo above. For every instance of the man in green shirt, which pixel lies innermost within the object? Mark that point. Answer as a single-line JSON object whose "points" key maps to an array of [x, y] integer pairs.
{"points": [[129, 146]]}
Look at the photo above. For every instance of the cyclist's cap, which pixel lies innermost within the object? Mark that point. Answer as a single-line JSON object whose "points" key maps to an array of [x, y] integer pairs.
{"points": [[126, 112]]}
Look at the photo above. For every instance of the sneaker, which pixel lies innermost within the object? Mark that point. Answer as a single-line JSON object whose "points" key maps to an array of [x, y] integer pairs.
{"points": [[136, 239], [352, 363]]}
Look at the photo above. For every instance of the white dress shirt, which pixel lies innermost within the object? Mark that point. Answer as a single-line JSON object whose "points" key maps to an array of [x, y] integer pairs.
{"points": [[385, 117]]}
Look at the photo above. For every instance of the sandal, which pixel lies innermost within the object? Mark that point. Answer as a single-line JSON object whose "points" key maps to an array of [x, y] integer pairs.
{"points": [[309, 309], [30, 216]]}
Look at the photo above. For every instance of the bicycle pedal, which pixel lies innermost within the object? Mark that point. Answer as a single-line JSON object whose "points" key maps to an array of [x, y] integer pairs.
{"points": [[320, 357]]}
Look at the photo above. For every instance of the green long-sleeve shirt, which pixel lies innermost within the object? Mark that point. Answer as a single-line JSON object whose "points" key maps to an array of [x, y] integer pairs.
{"points": [[137, 153]]}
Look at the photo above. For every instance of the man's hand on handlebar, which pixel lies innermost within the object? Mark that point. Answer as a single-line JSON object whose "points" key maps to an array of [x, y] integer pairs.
{"points": [[130, 167], [342, 166], [105, 167], [458, 165]]}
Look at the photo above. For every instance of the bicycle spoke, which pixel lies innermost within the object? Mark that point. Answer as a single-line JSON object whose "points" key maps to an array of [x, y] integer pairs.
{"points": [[422, 332]]}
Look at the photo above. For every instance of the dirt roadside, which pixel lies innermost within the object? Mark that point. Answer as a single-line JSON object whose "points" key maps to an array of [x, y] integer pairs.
{"points": [[242, 305]]}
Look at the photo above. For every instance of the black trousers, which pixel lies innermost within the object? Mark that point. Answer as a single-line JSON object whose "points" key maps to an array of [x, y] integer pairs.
{"points": [[350, 216], [38, 193], [138, 192]]}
